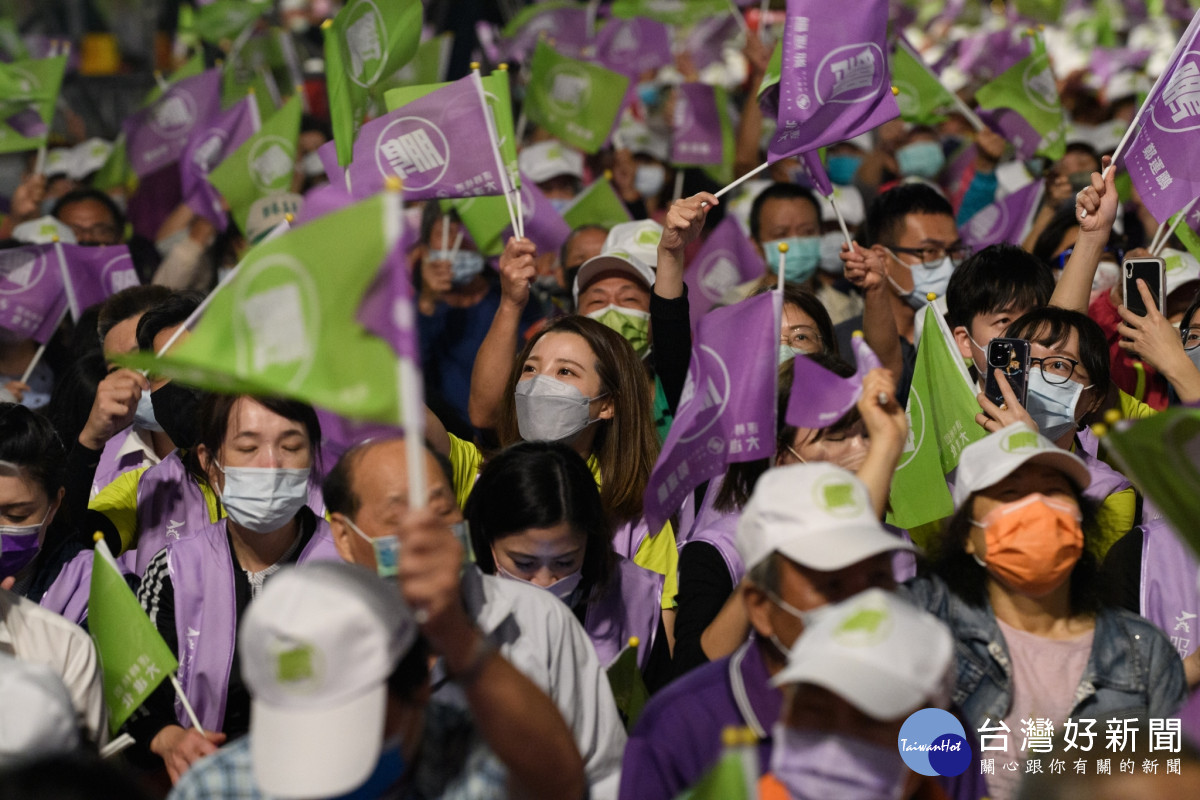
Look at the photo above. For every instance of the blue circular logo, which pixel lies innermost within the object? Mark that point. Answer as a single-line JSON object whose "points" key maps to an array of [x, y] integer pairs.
{"points": [[933, 742]]}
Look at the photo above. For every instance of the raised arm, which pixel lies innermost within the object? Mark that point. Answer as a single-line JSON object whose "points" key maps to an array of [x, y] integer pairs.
{"points": [[887, 428], [866, 268], [489, 376], [1095, 208]]}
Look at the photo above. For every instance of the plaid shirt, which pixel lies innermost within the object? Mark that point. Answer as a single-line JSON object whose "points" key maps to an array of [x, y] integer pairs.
{"points": [[453, 764]]}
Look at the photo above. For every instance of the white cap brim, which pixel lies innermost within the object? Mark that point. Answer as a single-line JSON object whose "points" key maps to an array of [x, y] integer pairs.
{"points": [[837, 549], [317, 752], [1066, 462], [878, 694], [606, 263]]}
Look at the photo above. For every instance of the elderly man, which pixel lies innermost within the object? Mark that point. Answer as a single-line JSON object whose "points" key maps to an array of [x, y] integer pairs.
{"points": [[366, 494], [338, 670]]}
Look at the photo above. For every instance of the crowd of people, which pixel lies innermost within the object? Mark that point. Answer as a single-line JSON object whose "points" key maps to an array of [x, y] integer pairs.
{"points": [[525, 628]]}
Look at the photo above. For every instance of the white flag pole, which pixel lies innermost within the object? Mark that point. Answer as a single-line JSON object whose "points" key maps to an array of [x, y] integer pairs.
{"points": [[779, 280], [191, 712], [678, 183], [1180, 217], [742, 179], [41, 351], [737, 15], [763, 8], [841, 221], [501, 167]]}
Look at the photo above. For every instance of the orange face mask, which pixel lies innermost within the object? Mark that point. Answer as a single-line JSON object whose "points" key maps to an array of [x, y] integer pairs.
{"points": [[1032, 543]]}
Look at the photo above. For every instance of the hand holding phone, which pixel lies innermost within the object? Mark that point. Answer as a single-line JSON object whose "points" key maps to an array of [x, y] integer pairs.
{"points": [[1152, 272]]}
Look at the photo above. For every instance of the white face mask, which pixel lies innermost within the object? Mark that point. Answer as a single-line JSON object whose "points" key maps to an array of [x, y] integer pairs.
{"points": [[550, 410], [562, 588], [927, 279], [263, 499], [648, 179], [831, 248], [1051, 405], [143, 417]]}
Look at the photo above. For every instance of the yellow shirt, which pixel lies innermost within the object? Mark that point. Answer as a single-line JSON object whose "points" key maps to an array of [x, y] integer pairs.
{"points": [[118, 502], [656, 553]]}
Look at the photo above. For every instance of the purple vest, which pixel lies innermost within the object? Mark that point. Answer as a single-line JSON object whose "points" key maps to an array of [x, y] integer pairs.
{"points": [[201, 567], [170, 505], [1169, 596], [721, 532], [1105, 479], [68, 595], [111, 465], [629, 537], [630, 606]]}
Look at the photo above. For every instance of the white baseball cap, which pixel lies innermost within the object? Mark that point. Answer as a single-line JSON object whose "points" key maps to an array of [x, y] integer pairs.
{"points": [[44, 230], [39, 718], [542, 161], [1180, 267], [996, 456], [818, 515], [317, 647], [637, 137], [883, 655], [630, 247]]}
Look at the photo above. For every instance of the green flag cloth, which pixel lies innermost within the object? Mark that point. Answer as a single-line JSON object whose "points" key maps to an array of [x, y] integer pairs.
{"points": [[286, 324], [734, 777], [427, 66], [498, 94], [226, 19], [597, 205], [1161, 455], [263, 165], [236, 84], [1186, 230], [941, 422], [485, 218], [1028, 88], [1041, 10], [365, 43], [116, 171], [31, 86], [134, 658], [576, 101], [628, 687], [773, 74], [672, 12], [923, 100]]}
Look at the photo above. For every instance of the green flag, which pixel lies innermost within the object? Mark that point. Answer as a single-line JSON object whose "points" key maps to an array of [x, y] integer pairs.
{"points": [[134, 658], [923, 100], [364, 45], [427, 66], [226, 19], [485, 218], [774, 72], [1041, 10], [1185, 231], [263, 165], [628, 687], [672, 12], [286, 324], [1161, 455], [576, 101], [116, 171], [941, 422], [598, 204], [735, 776], [32, 86], [1028, 88]]}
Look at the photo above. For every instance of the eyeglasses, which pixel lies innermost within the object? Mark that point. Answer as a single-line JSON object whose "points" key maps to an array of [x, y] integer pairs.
{"points": [[803, 339], [932, 254], [1055, 369], [1190, 337], [1060, 260]]}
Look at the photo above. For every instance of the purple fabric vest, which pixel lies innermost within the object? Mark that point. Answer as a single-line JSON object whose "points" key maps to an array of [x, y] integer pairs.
{"points": [[170, 505], [111, 465], [629, 537], [201, 567], [1169, 596], [1105, 479], [631, 606], [68, 595], [721, 532]]}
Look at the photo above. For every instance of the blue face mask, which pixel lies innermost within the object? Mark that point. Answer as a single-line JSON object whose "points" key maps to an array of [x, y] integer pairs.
{"points": [[803, 256], [927, 279], [921, 159], [560, 204], [464, 265], [650, 94], [841, 168], [1052, 405]]}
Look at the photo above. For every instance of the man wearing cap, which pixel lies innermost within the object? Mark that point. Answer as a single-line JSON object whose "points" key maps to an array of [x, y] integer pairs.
{"points": [[555, 168], [366, 493], [860, 668], [338, 673], [809, 536]]}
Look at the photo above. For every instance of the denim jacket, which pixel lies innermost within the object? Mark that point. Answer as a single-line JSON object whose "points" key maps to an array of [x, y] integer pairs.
{"points": [[1132, 670]]}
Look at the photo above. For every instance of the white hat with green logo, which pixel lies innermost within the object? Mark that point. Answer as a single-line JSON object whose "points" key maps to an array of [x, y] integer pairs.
{"points": [[631, 248], [1179, 268], [996, 456], [317, 647], [542, 161], [818, 515], [883, 655], [39, 717]]}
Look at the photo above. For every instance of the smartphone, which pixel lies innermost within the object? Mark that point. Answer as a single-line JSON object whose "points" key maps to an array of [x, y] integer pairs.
{"points": [[1149, 270], [1010, 356]]}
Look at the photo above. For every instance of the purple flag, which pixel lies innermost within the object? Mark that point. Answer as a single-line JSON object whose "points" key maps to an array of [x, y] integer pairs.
{"points": [[207, 146], [707, 39], [726, 260], [987, 56], [566, 26], [96, 273], [438, 145], [698, 125], [1015, 128], [387, 309], [544, 226], [1108, 61], [157, 135], [322, 200], [633, 46], [339, 434], [1162, 154], [32, 290], [834, 82], [333, 170], [812, 175], [1005, 221], [27, 123], [727, 409], [819, 397]]}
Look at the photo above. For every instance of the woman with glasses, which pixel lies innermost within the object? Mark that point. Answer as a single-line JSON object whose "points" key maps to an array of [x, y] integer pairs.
{"points": [[1069, 386]]}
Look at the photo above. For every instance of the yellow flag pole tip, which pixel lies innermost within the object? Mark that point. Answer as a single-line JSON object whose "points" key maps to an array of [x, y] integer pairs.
{"points": [[1099, 429], [895, 91], [474, 65], [54, 238], [250, 90], [392, 183], [97, 537], [634, 641], [856, 335], [1112, 416], [327, 24], [783, 247], [608, 174], [289, 217], [157, 74], [731, 737], [502, 66], [931, 296]]}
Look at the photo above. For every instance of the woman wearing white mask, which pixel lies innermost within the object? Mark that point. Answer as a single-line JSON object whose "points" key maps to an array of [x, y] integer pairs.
{"points": [[535, 516], [256, 455], [1015, 580], [1069, 388]]}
